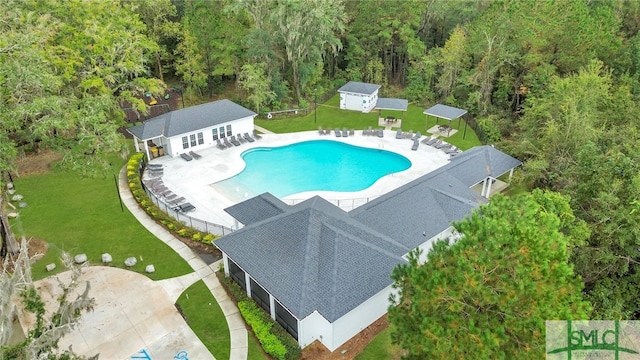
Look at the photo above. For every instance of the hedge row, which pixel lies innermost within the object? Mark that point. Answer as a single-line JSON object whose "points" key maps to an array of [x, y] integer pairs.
{"points": [[135, 185], [275, 340]]}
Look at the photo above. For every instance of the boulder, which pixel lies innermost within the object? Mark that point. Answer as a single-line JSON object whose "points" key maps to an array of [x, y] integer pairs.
{"points": [[22, 204], [50, 267], [12, 215], [11, 191], [80, 258], [9, 185], [17, 197], [130, 261], [150, 269], [107, 258]]}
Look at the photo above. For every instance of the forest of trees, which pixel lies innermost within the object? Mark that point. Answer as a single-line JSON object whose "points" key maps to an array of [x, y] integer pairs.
{"points": [[553, 83]]}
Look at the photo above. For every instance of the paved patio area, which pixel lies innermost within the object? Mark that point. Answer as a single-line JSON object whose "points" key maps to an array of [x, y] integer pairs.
{"points": [[192, 179]]}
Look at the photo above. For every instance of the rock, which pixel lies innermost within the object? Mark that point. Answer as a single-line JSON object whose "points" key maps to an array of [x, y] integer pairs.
{"points": [[107, 258], [11, 191], [130, 261], [17, 197], [51, 266], [9, 186], [12, 215], [150, 269], [80, 258], [22, 204]]}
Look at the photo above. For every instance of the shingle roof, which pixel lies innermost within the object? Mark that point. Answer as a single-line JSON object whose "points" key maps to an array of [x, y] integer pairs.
{"points": [[444, 112], [190, 119], [359, 88], [314, 257], [256, 209], [392, 104]]}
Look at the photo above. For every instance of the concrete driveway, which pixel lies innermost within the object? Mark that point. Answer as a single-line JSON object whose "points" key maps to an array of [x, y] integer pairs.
{"points": [[134, 317]]}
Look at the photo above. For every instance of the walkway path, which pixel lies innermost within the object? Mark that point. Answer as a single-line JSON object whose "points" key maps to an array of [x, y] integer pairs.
{"points": [[202, 271], [263, 130]]}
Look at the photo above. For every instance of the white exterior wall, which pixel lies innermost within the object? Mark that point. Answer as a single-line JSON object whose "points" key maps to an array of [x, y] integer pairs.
{"points": [[427, 245], [333, 335], [240, 126], [358, 102]]}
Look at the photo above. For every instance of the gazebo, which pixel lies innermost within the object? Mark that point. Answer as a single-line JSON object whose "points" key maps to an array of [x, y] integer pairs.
{"points": [[440, 111]]}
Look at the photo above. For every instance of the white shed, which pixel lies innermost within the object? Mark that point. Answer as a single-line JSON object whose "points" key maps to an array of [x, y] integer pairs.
{"points": [[193, 128], [358, 96]]}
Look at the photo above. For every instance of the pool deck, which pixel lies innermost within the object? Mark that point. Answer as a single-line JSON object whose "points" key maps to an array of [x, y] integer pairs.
{"points": [[192, 179]]}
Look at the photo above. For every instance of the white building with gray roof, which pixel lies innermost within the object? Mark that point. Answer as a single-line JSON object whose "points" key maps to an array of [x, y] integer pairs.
{"points": [[193, 128], [323, 273]]}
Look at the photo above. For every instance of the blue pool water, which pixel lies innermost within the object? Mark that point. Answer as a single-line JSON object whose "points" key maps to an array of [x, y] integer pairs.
{"points": [[319, 165]]}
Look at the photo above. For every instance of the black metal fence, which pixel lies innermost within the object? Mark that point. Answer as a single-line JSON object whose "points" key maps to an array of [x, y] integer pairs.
{"points": [[202, 225]]}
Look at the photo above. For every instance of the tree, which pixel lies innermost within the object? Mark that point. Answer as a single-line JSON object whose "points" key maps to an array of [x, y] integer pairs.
{"points": [[42, 340], [305, 28], [487, 295], [454, 60], [254, 80]]}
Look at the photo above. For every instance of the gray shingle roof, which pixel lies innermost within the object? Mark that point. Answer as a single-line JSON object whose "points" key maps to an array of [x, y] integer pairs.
{"points": [[445, 112], [392, 104], [190, 119], [256, 209], [474, 165], [359, 88], [315, 257]]}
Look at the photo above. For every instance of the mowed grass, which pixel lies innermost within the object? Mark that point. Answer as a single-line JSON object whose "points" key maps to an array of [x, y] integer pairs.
{"points": [[380, 348], [206, 319], [330, 116], [83, 215]]}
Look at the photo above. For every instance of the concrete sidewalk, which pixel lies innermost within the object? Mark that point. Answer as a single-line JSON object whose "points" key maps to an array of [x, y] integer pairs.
{"points": [[175, 286]]}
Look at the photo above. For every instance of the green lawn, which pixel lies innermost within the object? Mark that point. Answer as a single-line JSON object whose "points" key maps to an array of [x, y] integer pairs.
{"points": [[206, 319], [329, 116], [380, 348], [83, 215]]}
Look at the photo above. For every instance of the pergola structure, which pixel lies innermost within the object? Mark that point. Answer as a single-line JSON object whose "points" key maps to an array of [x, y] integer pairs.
{"points": [[440, 111]]}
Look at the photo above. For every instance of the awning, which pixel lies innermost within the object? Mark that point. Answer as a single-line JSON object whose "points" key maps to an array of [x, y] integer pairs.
{"points": [[392, 104]]}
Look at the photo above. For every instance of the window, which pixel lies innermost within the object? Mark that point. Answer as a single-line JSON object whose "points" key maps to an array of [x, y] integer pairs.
{"points": [[222, 131], [286, 320], [185, 142], [215, 134], [260, 296], [229, 130], [200, 138], [237, 274], [193, 139]]}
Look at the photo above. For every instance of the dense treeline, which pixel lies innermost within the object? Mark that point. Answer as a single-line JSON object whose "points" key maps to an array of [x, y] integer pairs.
{"points": [[554, 83]]}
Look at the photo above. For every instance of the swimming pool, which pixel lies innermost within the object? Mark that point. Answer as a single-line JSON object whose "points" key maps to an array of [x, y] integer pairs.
{"points": [[318, 165]]}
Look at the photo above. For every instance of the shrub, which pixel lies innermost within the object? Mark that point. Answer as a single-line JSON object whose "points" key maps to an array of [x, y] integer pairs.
{"points": [[270, 343], [208, 239], [183, 232], [197, 236]]}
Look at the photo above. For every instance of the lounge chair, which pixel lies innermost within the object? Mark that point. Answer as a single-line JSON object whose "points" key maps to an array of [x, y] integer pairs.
{"points": [[240, 139], [416, 143], [380, 133], [248, 138], [227, 143], [399, 134], [417, 136], [345, 133], [234, 141], [437, 143], [409, 134], [186, 157], [320, 131], [352, 132], [220, 145], [256, 135], [154, 166], [370, 132], [185, 207], [338, 133], [444, 146], [327, 132], [429, 140], [176, 202], [195, 155]]}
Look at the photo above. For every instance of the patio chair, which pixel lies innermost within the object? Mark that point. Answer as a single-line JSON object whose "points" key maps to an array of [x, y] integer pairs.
{"points": [[220, 145], [370, 132], [154, 166], [338, 133], [248, 138], [429, 140], [345, 133], [409, 134], [399, 134], [352, 132], [227, 143], [380, 133], [416, 143], [327, 132], [185, 207], [240, 139], [176, 202], [417, 136], [195, 155], [444, 146], [186, 157], [437, 143], [320, 131], [234, 141]]}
